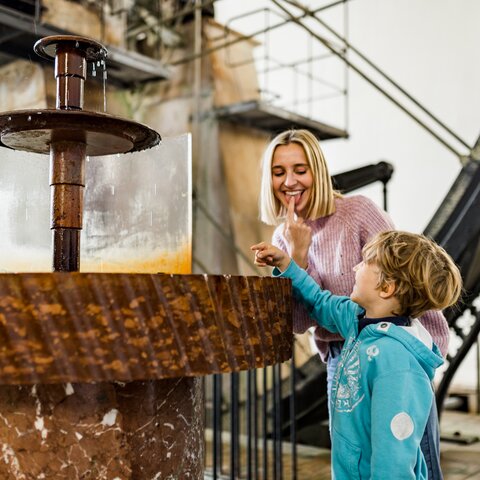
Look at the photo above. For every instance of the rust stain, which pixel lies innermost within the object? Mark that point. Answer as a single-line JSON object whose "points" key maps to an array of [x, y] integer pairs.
{"points": [[178, 261], [92, 309], [129, 323], [136, 302], [52, 309]]}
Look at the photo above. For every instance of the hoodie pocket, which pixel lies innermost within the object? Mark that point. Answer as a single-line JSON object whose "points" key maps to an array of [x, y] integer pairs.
{"points": [[345, 458]]}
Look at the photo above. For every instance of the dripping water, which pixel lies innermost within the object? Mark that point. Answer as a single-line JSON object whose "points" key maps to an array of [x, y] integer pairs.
{"points": [[104, 81], [37, 19]]}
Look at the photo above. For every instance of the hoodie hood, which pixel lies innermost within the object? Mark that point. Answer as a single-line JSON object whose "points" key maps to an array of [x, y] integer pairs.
{"points": [[417, 340]]}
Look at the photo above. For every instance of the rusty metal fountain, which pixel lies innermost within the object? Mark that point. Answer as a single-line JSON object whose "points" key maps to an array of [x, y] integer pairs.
{"points": [[100, 373]]}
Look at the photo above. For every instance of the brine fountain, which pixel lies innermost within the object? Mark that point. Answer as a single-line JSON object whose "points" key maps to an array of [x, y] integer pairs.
{"points": [[100, 373]]}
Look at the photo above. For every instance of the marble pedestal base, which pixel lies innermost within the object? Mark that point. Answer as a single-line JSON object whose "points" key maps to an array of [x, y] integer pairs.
{"points": [[103, 431]]}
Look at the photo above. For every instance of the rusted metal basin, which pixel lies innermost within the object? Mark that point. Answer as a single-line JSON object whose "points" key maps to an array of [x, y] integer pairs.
{"points": [[97, 327]]}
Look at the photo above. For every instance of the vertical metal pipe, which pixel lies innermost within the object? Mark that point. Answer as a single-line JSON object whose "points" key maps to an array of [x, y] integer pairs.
{"points": [[274, 423], [277, 387], [67, 181], [255, 424], [67, 162], [220, 422], [293, 421], [478, 375], [265, 423], [197, 74], [234, 430], [346, 69], [249, 418], [217, 431], [197, 107], [70, 72], [266, 53]]}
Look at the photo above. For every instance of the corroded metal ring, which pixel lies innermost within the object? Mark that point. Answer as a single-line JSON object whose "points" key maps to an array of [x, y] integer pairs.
{"points": [[103, 134], [47, 47]]}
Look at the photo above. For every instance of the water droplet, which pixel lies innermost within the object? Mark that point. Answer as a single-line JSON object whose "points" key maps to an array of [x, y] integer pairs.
{"points": [[155, 188], [9, 118], [151, 218], [112, 187], [29, 119], [77, 44]]}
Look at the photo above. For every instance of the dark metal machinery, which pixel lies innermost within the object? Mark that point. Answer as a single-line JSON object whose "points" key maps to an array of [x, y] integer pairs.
{"points": [[456, 226]]}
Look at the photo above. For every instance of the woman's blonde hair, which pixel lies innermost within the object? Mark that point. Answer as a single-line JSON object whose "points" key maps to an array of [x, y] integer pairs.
{"points": [[322, 200], [425, 276]]}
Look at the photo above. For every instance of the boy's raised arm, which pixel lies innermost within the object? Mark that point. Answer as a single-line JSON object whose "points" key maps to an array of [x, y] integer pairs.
{"points": [[329, 311], [333, 312]]}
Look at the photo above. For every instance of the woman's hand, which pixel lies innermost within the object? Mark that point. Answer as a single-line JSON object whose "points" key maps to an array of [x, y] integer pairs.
{"points": [[266, 254], [299, 236]]}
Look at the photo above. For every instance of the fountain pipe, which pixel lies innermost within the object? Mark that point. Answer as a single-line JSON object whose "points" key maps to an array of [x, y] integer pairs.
{"points": [[67, 157], [70, 73], [67, 181], [67, 162]]}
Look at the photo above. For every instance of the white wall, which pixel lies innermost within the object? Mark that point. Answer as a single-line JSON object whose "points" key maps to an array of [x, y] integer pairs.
{"points": [[430, 47]]}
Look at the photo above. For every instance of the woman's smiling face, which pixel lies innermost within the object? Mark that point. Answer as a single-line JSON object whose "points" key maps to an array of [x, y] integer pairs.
{"points": [[292, 177]]}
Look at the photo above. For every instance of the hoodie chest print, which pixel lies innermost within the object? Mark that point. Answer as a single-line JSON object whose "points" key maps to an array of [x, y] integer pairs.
{"points": [[372, 352], [347, 392]]}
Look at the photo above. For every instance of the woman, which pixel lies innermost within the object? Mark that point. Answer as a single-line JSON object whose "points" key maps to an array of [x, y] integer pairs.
{"points": [[324, 232]]}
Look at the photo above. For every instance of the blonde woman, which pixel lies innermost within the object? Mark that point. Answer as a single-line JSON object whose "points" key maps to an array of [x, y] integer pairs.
{"points": [[324, 233]]}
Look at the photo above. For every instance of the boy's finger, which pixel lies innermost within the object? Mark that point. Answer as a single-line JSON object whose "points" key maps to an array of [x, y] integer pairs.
{"points": [[261, 254], [258, 246]]}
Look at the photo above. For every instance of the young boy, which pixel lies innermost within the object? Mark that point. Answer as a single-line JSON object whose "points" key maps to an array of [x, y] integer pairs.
{"points": [[382, 393]]}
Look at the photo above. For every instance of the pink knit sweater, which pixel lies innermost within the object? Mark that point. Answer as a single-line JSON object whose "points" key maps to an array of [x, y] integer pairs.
{"points": [[336, 248]]}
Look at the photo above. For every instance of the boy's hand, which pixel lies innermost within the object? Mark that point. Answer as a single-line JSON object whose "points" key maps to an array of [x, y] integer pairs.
{"points": [[266, 254], [298, 235]]}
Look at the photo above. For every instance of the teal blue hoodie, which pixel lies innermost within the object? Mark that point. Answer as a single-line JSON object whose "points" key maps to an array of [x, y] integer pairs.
{"points": [[381, 394]]}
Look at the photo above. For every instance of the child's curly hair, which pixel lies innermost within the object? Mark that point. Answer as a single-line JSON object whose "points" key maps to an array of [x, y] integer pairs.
{"points": [[425, 276]]}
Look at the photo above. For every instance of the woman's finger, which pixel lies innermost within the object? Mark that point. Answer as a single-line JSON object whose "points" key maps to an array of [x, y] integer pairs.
{"points": [[291, 211]]}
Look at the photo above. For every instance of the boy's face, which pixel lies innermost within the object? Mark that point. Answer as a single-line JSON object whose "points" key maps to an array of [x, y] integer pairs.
{"points": [[366, 291]]}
